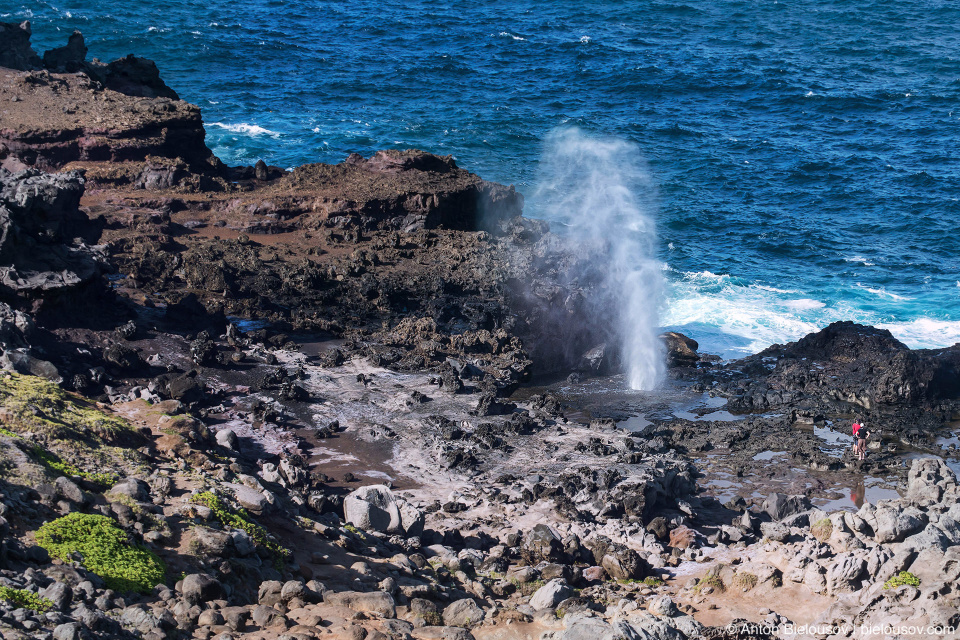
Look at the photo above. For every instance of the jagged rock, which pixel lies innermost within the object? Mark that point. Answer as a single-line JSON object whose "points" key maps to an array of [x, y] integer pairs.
{"points": [[779, 506], [68, 58], [681, 350], [15, 51], [124, 358], [542, 544]]}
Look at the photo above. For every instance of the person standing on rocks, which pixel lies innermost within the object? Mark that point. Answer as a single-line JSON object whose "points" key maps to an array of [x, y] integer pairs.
{"points": [[860, 435]]}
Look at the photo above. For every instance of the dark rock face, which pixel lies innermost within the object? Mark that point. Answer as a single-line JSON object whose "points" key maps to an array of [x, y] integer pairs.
{"points": [[15, 50], [69, 58], [844, 365], [681, 350], [39, 219]]}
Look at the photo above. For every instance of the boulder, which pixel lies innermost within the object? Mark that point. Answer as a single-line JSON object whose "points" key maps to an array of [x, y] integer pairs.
{"points": [[681, 350], [542, 544], [551, 594], [15, 50], [891, 524], [779, 506], [462, 613], [198, 588], [378, 602], [228, 439], [372, 508]]}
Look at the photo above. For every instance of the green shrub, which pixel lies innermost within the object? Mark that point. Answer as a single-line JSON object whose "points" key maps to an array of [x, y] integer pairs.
{"points": [[902, 578], [822, 529], [104, 549], [712, 581], [745, 581], [653, 581], [25, 599], [240, 520]]}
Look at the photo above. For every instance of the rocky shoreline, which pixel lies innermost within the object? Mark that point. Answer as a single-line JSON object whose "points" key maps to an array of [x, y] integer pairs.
{"points": [[371, 400]]}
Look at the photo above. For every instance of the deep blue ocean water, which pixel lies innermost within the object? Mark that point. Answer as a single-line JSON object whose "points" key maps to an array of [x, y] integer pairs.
{"points": [[805, 154]]}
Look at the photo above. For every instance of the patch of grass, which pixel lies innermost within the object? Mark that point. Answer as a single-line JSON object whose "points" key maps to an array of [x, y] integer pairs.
{"points": [[822, 529], [527, 588], [103, 548], [54, 463], [902, 578], [239, 519], [652, 581], [36, 404], [712, 581], [25, 599], [745, 581]]}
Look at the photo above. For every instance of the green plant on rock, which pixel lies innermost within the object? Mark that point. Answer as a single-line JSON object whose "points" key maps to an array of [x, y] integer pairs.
{"points": [[653, 581], [25, 599], [713, 581], [36, 404], [902, 578], [745, 580], [103, 548], [240, 520], [822, 529], [55, 464]]}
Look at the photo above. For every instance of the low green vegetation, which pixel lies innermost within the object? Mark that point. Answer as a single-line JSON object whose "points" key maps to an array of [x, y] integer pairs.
{"points": [[54, 463], [103, 548], [745, 581], [822, 529], [239, 519], [25, 599], [902, 578], [712, 581], [36, 404]]}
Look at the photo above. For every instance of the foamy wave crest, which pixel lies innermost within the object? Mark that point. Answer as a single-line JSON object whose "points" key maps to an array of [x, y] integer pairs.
{"points": [[859, 260], [925, 333], [507, 34], [243, 127], [883, 293], [733, 319]]}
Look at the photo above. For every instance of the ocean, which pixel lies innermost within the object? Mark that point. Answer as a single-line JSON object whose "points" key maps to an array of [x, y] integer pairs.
{"points": [[803, 156]]}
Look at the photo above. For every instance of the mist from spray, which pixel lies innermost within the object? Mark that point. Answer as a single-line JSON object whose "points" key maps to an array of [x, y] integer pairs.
{"points": [[602, 190]]}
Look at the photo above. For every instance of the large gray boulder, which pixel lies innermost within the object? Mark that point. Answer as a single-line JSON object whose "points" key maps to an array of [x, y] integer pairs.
{"points": [[462, 613], [372, 508], [551, 594], [892, 524], [779, 506], [378, 602], [375, 508]]}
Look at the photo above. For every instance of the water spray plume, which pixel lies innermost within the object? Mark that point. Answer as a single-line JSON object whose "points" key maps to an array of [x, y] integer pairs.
{"points": [[602, 191]]}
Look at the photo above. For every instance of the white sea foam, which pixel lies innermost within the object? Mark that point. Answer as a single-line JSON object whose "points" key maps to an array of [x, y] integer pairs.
{"points": [[243, 127], [859, 259], [734, 319], [585, 39], [507, 34], [883, 293], [925, 333]]}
